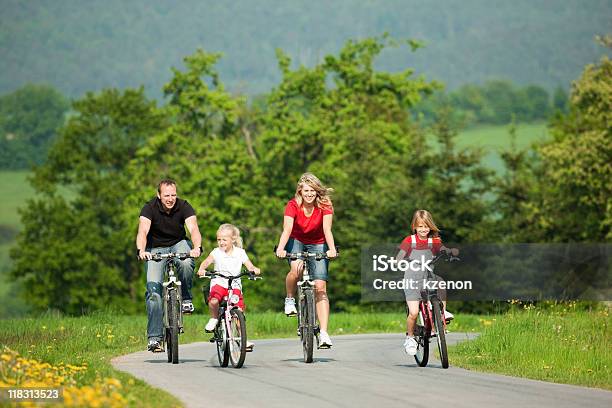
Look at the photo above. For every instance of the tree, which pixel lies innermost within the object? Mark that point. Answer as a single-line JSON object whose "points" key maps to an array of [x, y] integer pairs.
{"points": [[207, 149], [534, 103], [29, 118], [74, 252], [351, 125], [577, 165], [560, 100], [564, 185]]}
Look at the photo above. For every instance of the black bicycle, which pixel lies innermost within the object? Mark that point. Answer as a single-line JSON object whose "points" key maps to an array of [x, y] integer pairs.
{"points": [[171, 300], [230, 334], [430, 321], [308, 328]]}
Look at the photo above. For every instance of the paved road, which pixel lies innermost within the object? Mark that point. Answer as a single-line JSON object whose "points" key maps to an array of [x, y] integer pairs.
{"points": [[359, 371]]}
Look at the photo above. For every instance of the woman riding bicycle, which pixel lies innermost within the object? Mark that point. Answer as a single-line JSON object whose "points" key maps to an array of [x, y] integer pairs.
{"points": [[307, 227]]}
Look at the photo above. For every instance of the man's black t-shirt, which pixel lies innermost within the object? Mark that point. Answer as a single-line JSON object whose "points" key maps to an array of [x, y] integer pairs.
{"points": [[166, 228]]}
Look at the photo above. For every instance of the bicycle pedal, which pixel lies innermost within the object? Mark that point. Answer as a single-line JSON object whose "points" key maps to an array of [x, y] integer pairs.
{"points": [[212, 340], [249, 349]]}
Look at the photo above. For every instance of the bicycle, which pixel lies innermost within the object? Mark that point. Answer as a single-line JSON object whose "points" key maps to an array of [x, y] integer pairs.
{"points": [[171, 301], [430, 321], [308, 329], [230, 334]]}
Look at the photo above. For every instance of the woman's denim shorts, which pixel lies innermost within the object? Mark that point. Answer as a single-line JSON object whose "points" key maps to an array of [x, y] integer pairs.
{"points": [[317, 269]]}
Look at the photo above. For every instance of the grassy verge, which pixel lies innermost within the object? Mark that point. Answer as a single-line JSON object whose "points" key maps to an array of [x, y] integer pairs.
{"points": [[557, 343], [78, 350], [87, 342]]}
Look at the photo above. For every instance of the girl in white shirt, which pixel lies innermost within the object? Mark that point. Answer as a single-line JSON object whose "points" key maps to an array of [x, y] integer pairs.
{"points": [[228, 258]]}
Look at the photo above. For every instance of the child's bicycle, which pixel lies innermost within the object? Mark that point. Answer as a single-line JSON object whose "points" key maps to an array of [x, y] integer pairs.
{"points": [[308, 329], [171, 300], [431, 322], [230, 334]]}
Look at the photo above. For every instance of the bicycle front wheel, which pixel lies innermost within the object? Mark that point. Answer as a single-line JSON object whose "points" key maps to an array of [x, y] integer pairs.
{"points": [[221, 341], [172, 331], [308, 319], [421, 335], [237, 338], [440, 332]]}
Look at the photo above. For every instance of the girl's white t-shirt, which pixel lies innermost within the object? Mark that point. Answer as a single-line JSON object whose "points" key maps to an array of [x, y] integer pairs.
{"points": [[228, 264]]}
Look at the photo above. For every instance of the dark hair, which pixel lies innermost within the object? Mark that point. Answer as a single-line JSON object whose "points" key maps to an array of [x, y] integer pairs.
{"points": [[165, 182]]}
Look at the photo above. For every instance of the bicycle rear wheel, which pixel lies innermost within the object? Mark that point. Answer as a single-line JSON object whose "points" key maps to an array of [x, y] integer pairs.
{"points": [[441, 335], [237, 338], [421, 335], [172, 331], [308, 317], [222, 341]]}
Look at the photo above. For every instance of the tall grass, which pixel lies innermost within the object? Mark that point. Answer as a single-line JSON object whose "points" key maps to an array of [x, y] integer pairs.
{"points": [[556, 343]]}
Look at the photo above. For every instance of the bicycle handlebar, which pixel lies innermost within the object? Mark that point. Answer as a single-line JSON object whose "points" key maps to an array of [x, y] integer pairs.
{"points": [[448, 255], [182, 256], [305, 254], [220, 274]]}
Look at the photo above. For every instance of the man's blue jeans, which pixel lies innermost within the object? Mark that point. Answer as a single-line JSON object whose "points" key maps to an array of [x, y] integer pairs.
{"points": [[155, 275]]}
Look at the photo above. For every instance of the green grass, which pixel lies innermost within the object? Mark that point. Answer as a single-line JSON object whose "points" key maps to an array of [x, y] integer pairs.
{"points": [[94, 340], [494, 139], [15, 190], [557, 344]]}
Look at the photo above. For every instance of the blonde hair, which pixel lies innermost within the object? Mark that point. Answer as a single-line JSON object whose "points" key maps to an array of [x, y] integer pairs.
{"points": [[236, 238], [323, 199], [425, 217]]}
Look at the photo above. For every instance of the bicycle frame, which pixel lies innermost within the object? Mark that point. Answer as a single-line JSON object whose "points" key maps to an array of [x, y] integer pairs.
{"points": [[223, 333], [231, 303], [172, 283], [425, 309], [303, 285], [430, 306], [171, 294]]}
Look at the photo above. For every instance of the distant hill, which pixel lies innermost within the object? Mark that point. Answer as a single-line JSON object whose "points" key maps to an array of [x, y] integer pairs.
{"points": [[88, 45]]}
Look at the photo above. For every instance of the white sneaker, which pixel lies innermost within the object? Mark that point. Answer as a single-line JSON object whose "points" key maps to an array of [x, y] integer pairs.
{"points": [[210, 326], [448, 316], [410, 346], [249, 346], [290, 309], [188, 307], [324, 340]]}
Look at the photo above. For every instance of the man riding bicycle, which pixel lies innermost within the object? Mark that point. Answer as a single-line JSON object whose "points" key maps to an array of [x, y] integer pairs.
{"points": [[161, 229]]}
